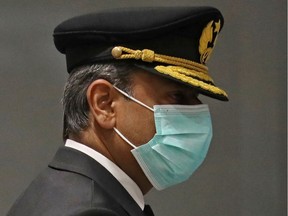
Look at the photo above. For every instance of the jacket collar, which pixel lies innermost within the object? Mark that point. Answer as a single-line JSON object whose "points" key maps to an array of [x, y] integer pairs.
{"points": [[74, 161]]}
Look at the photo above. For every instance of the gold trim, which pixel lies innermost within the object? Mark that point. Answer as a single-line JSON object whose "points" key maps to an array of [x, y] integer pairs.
{"points": [[191, 73], [149, 56], [208, 40], [190, 80]]}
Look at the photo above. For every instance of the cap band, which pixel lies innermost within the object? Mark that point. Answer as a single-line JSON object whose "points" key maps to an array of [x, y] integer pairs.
{"points": [[147, 55]]}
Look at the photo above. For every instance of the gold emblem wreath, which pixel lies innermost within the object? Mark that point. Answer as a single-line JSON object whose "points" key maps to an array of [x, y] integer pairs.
{"points": [[208, 40]]}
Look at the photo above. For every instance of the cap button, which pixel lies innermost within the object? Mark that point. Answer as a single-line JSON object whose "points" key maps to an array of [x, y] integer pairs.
{"points": [[116, 52]]}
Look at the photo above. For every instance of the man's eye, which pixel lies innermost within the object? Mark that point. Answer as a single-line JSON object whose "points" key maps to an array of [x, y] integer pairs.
{"points": [[178, 98], [184, 99]]}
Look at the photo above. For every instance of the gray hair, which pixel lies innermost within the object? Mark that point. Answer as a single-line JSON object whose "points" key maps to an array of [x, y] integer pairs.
{"points": [[76, 108]]}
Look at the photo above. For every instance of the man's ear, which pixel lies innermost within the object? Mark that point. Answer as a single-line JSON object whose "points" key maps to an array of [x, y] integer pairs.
{"points": [[100, 97]]}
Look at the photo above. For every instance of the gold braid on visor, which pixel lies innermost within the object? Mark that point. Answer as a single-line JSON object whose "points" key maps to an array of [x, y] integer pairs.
{"points": [[187, 71]]}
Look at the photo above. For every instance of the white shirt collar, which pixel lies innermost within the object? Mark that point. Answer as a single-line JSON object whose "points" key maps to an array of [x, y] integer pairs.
{"points": [[131, 187]]}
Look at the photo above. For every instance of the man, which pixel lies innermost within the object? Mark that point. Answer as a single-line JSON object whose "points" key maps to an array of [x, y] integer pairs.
{"points": [[132, 117]]}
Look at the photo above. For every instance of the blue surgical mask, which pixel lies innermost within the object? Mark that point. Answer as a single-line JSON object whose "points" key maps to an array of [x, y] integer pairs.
{"points": [[182, 139]]}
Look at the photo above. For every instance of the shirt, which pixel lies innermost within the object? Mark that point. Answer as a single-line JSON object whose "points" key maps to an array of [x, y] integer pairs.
{"points": [[130, 186]]}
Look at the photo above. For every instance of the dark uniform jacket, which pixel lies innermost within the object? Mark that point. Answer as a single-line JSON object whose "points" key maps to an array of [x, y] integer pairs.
{"points": [[75, 184]]}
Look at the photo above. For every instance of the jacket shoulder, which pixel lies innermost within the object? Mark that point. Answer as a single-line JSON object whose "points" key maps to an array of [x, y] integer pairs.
{"points": [[58, 192]]}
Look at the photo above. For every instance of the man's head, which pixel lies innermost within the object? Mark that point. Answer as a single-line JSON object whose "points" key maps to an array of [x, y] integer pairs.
{"points": [[155, 55]]}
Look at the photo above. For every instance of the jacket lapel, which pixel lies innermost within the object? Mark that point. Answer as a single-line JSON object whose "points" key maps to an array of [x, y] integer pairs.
{"points": [[74, 161]]}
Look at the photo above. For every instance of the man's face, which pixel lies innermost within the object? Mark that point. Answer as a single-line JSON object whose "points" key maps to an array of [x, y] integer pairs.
{"points": [[136, 122]]}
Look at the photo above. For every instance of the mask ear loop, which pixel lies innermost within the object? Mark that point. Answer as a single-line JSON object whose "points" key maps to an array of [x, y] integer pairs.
{"points": [[137, 101], [124, 138], [134, 99]]}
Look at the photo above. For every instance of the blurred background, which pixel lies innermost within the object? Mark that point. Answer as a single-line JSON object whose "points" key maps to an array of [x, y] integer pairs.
{"points": [[245, 173]]}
